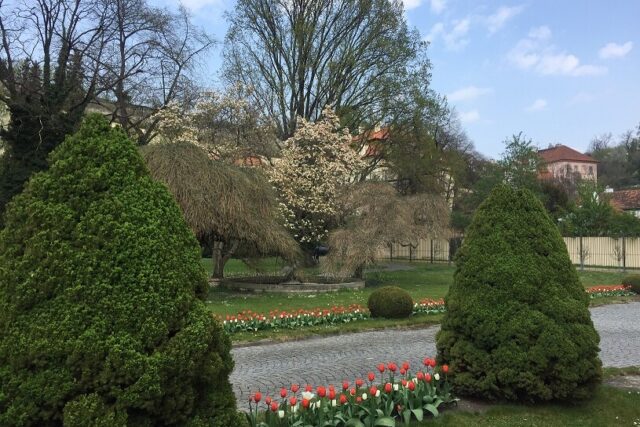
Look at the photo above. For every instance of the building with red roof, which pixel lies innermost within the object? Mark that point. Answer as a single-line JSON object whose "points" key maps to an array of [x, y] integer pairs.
{"points": [[626, 200], [562, 161]]}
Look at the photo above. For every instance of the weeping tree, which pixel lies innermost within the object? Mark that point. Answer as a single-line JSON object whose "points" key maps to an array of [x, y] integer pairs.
{"points": [[227, 207], [375, 216]]}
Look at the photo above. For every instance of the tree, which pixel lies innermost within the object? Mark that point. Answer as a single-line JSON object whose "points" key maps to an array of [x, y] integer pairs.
{"points": [[299, 56], [517, 325], [50, 54], [521, 163], [593, 215], [317, 162], [225, 125], [619, 164], [101, 308], [150, 54], [374, 216], [227, 207]]}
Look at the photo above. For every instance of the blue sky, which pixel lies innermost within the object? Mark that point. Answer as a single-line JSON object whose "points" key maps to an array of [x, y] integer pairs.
{"points": [[560, 71]]}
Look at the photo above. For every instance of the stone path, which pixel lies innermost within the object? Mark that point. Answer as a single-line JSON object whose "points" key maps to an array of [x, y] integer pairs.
{"points": [[329, 360]]}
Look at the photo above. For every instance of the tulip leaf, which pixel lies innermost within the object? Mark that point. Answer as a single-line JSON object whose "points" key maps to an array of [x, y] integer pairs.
{"points": [[385, 422], [429, 407], [406, 414], [418, 414], [354, 422]]}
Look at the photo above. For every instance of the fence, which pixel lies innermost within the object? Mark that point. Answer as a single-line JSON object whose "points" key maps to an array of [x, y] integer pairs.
{"points": [[433, 250], [622, 252]]}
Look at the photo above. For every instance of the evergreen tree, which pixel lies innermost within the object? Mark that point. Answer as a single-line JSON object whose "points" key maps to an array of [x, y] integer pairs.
{"points": [[517, 325], [101, 312]]}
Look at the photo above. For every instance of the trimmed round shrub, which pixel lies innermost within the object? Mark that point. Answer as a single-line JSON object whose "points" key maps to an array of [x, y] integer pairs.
{"points": [[390, 302], [517, 325], [632, 280], [101, 312]]}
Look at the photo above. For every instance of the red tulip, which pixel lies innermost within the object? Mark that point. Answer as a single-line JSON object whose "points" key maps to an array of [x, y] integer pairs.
{"points": [[274, 406], [283, 393], [267, 401], [387, 388], [293, 401], [392, 367], [295, 388], [373, 390], [405, 366], [381, 367], [426, 361], [402, 371], [332, 393], [445, 368], [358, 399], [308, 388], [343, 399], [404, 382], [305, 403], [352, 392], [412, 385], [359, 382], [433, 363], [371, 376], [427, 377], [257, 396], [420, 375], [345, 385], [322, 392]]}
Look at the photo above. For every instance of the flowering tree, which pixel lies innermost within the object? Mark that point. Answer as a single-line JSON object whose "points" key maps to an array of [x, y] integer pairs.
{"points": [[225, 125], [317, 161]]}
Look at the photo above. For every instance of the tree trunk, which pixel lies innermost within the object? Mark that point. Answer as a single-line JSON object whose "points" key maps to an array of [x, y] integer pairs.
{"points": [[219, 257]]}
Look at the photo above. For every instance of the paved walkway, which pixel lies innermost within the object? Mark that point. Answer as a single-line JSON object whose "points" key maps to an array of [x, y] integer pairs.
{"points": [[329, 360]]}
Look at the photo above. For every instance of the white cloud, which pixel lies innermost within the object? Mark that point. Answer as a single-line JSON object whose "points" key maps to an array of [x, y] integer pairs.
{"points": [[614, 50], [435, 31], [437, 6], [540, 33], [497, 20], [470, 116], [536, 53], [538, 105], [582, 98], [455, 39], [468, 93], [411, 4]]}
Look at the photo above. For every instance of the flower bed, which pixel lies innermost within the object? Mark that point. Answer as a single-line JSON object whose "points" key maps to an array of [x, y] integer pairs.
{"points": [[248, 321], [393, 395], [609, 291]]}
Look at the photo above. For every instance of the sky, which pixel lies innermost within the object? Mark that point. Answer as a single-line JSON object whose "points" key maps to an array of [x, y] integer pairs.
{"points": [[559, 71]]}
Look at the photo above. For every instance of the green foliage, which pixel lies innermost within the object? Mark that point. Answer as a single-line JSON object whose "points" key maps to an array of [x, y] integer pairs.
{"points": [[101, 311], [390, 302], [593, 215], [517, 326], [632, 280]]}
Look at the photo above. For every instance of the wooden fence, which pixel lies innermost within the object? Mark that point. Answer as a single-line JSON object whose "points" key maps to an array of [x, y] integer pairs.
{"points": [[622, 252]]}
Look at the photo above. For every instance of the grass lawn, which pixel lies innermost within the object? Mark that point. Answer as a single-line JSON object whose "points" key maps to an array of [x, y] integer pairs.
{"points": [[609, 407], [423, 281]]}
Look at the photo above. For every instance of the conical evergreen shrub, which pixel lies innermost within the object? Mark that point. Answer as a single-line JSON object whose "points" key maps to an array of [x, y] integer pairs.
{"points": [[101, 312], [517, 325]]}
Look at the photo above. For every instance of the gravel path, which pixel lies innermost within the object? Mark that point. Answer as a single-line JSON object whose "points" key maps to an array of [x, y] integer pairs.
{"points": [[331, 359]]}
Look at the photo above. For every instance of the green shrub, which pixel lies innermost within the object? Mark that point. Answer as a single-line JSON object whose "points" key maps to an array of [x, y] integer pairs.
{"points": [[101, 312], [517, 325], [390, 302], [632, 280]]}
